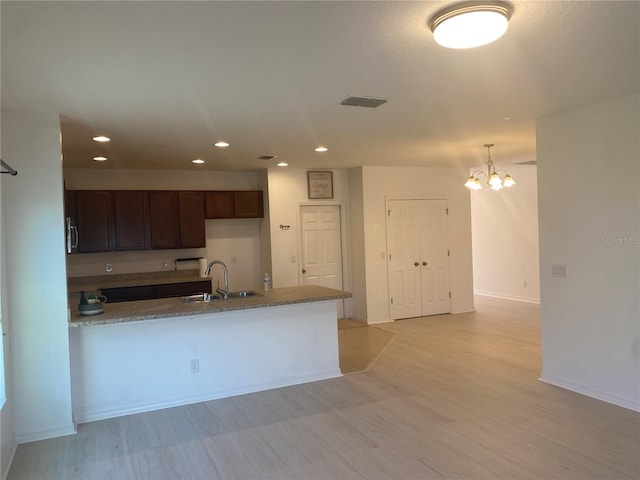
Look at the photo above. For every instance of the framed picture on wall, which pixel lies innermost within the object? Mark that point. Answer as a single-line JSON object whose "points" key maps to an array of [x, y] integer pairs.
{"points": [[320, 185]]}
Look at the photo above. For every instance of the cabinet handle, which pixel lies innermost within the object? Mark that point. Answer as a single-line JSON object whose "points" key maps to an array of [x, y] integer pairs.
{"points": [[424, 264], [416, 264], [304, 271]]}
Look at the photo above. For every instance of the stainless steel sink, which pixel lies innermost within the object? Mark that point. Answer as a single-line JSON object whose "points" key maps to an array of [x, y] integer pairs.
{"points": [[244, 294], [199, 298]]}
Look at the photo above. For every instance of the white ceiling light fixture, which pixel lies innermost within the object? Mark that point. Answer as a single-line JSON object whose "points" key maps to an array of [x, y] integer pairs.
{"points": [[100, 159], [321, 149], [470, 24], [197, 161], [221, 144], [101, 138], [282, 164], [493, 176]]}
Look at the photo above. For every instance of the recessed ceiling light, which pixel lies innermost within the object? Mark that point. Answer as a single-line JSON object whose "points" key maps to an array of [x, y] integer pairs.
{"points": [[282, 164], [221, 144], [321, 149], [470, 24], [100, 159], [101, 138], [197, 160]]}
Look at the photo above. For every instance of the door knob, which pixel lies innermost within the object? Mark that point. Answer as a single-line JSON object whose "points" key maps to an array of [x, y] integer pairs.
{"points": [[304, 271], [417, 264], [424, 264]]}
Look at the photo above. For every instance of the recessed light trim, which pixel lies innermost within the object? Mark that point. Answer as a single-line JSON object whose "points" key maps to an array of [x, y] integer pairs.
{"points": [[221, 144], [321, 149], [282, 164], [470, 24], [197, 161], [100, 159], [101, 138]]}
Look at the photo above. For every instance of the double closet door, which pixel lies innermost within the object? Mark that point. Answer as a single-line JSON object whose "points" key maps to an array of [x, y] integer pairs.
{"points": [[417, 258]]}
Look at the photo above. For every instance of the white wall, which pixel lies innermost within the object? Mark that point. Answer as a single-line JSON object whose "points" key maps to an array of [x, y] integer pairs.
{"points": [[589, 207], [358, 245], [226, 239], [287, 192], [131, 367], [504, 227], [380, 183], [32, 206], [8, 442]]}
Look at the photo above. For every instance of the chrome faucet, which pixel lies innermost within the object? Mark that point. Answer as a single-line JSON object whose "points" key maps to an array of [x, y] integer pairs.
{"points": [[224, 292]]}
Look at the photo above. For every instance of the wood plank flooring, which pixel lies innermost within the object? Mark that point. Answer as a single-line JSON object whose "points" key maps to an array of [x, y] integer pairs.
{"points": [[451, 396], [360, 345]]}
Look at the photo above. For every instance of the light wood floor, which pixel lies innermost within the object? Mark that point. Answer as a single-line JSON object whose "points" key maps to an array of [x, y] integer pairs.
{"points": [[451, 396], [360, 345]]}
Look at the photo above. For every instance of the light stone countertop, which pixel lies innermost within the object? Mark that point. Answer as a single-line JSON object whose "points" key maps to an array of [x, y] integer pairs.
{"points": [[174, 307]]}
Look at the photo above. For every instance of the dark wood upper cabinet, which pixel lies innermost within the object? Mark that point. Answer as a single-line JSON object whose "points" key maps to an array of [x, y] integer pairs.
{"points": [[163, 213], [219, 204], [248, 204], [131, 219], [191, 219], [94, 215]]}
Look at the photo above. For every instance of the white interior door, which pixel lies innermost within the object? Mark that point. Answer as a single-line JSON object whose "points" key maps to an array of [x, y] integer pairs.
{"points": [[418, 258], [403, 259], [321, 248], [434, 258]]}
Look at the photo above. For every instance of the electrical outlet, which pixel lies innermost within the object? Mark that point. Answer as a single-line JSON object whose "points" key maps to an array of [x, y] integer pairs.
{"points": [[195, 365]]}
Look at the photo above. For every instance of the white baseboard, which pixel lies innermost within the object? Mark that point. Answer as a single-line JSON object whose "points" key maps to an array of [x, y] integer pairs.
{"points": [[83, 416], [26, 437], [631, 404], [508, 297]]}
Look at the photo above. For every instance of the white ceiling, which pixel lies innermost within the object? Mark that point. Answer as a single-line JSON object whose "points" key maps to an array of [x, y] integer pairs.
{"points": [[165, 80]]}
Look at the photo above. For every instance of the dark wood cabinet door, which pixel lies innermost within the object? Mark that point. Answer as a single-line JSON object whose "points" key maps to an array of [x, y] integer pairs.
{"points": [[191, 218], [131, 219], [248, 204], [219, 204], [163, 213], [94, 214]]}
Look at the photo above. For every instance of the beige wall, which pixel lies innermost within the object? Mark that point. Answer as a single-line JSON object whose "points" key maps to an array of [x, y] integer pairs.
{"points": [[589, 214]]}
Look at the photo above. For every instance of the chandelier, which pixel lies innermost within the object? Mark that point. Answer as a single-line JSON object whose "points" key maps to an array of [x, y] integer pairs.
{"points": [[493, 176]]}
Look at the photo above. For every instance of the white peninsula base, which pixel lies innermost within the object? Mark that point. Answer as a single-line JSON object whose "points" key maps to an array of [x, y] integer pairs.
{"points": [[124, 368]]}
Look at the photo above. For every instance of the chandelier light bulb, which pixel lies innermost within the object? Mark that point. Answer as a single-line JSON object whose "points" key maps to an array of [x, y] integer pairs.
{"points": [[508, 181]]}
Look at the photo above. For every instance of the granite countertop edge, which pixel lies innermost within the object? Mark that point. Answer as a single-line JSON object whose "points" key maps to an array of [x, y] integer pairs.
{"points": [[163, 308]]}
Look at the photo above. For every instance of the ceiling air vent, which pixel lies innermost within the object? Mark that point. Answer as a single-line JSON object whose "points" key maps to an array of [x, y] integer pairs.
{"points": [[267, 157], [363, 102]]}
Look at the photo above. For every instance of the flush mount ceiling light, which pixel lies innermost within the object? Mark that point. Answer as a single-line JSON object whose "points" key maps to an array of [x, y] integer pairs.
{"points": [[493, 176], [197, 161], [101, 138], [100, 159], [282, 164], [221, 144], [321, 149], [470, 24]]}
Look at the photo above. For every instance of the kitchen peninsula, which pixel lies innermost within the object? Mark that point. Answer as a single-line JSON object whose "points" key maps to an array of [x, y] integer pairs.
{"points": [[152, 354]]}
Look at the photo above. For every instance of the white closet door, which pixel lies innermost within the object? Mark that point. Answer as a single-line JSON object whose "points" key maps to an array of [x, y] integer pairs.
{"points": [[417, 262], [403, 259]]}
